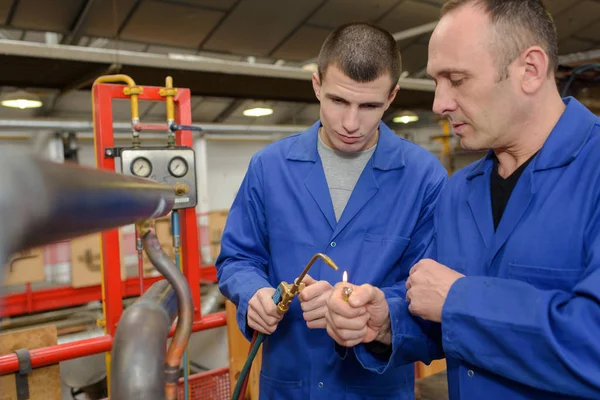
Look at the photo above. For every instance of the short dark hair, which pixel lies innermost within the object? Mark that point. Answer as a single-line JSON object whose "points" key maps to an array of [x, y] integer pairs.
{"points": [[518, 24], [362, 51]]}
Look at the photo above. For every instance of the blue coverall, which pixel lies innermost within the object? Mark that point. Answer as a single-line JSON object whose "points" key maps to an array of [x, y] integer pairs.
{"points": [[525, 322], [283, 215]]}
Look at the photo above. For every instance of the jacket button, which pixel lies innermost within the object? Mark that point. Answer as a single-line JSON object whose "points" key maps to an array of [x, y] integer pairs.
{"points": [[320, 384], [470, 373], [333, 244]]}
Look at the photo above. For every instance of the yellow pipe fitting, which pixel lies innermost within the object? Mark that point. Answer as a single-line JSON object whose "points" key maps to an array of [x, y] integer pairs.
{"points": [[143, 227], [169, 92]]}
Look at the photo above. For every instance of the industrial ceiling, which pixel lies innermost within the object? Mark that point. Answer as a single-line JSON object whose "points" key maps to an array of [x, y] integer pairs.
{"points": [[228, 52]]}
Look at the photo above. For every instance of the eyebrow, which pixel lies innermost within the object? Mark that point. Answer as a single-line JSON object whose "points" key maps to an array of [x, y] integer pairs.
{"points": [[446, 72], [339, 98]]}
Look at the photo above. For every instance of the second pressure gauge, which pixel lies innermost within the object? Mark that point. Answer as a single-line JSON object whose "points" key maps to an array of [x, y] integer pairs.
{"points": [[178, 167], [141, 167]]}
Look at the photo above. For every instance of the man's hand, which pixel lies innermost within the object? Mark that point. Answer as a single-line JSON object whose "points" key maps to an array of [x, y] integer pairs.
{"points": [[362, 319], [313, 300], [428, 286], [262, 311]]}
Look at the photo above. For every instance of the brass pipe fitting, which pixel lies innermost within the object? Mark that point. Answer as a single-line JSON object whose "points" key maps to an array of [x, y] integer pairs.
{"points": [[289, 291]]}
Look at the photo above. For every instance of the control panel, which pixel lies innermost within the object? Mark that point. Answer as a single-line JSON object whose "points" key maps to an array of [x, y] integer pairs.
{"points": [[174, 166]]}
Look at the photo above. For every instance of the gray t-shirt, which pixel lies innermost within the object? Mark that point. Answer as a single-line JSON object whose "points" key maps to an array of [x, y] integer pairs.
{"points": [[342, 171]]}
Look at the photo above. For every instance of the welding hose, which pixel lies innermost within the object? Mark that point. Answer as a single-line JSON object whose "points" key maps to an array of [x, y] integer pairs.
{"points": [[257, 339], [185, 312]]}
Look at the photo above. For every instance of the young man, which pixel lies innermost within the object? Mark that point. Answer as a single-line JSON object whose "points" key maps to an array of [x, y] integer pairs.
{"points": [[516, 285], [347, 187]]}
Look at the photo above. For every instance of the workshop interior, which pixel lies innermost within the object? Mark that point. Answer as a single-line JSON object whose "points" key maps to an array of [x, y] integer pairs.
{"points": [[126, 128]]}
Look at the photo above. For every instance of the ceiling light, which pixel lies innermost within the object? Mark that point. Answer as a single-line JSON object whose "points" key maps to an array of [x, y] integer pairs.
{"points": [[405, 117], [21, 99], [258, 112], [312, 67]]}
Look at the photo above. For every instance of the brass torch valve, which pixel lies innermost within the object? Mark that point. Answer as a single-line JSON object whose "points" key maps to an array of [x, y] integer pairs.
{"points": [[289, 291]]}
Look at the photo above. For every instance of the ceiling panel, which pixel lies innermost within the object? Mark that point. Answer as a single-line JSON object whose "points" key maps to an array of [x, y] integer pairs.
{"points": [[34, 36], [409, 14], [11, 34], [573, 45], [303, 45], [414, 58], [557, 6], [255, 27], [206, 109], [102, 21], [173, 24], [214, 4], [44, 15], [157, 49], [575, 18], [337, 12], [591, 32], [5, 6]]}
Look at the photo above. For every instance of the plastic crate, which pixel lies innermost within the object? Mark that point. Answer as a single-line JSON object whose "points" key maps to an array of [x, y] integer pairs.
{"points": [[210, 385]]}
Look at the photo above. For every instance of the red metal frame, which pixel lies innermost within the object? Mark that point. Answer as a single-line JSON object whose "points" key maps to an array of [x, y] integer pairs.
{"points": [[113, 289], [104, 138], [32, 301], [55, 354]]}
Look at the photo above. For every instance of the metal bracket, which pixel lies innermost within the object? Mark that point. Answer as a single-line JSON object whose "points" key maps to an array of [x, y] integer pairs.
{"points": [[167, 92], [112, 152], [22, 377], [128, 91]]}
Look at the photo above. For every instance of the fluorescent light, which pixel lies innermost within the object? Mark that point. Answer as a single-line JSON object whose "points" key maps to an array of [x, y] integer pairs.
{"points": [[405, 117], [258, 112], [312, 67], [21, 99]]}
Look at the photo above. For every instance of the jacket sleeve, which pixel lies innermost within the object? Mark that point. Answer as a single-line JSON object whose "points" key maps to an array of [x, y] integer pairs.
{"points": [[547, 339], [244, 257], [413, 339]]}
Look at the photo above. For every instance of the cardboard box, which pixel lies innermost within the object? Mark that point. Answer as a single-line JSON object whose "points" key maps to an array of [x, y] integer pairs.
{"points": [[44, 383], [85, 261], [216, 225], [25, 267]]}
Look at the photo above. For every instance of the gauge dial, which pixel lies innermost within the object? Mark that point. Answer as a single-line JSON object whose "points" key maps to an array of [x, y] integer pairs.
{"points": [[178, 167], [141, 167]]}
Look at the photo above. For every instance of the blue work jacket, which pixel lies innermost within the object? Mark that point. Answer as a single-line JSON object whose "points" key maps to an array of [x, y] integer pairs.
{"points": [[283, 215], [525, 321]]}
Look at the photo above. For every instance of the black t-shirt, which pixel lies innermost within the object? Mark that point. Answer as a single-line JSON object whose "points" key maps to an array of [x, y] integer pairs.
{"points": [[501, 188]]}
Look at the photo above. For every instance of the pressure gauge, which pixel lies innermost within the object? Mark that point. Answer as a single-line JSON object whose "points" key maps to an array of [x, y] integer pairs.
{"points": [[141, 167], [178, 167]]}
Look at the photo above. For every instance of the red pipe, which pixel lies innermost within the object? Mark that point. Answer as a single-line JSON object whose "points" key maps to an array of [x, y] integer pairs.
{"points": [[54, 354]]}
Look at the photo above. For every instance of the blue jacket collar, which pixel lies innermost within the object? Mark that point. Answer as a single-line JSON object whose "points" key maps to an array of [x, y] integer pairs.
{"points": [[388, 155], [564, 143]]}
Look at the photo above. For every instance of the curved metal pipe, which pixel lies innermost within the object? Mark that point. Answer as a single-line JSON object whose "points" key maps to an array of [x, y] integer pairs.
{"points": [[43, 202], [137, 368], [185, 318]]}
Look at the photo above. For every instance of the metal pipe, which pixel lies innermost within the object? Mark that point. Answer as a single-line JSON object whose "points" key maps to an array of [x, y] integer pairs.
{"points": [[135, 112], [137, 369], [44, 356], [185, 318], [88, 126], [42, 202]]}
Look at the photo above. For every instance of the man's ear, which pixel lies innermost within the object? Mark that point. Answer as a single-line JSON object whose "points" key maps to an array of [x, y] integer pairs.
{"points": [[535, 69], [392, 96], [316, 82]]}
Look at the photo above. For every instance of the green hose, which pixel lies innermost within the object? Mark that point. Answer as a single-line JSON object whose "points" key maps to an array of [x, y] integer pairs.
{"points": [[247, 366]]}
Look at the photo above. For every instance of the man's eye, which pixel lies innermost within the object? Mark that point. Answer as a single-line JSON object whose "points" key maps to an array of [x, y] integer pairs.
{"points": [[455, 82]]}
